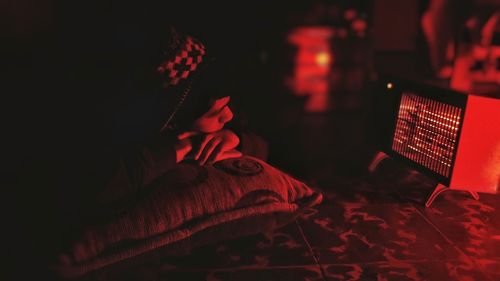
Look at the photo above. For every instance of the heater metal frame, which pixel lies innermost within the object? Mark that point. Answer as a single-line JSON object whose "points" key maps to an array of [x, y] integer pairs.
{"points": [[393, 89]]}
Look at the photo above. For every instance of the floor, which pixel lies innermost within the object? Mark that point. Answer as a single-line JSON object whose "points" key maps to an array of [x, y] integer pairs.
{"points": [[369, 226]]}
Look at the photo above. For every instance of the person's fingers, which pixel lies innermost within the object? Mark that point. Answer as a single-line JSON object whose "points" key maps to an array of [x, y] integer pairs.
{"points": [[203, 143], [232, 139], [232, 153], [227, 155], [182, 148], [209, 149], [217, 151], [186, 135]]}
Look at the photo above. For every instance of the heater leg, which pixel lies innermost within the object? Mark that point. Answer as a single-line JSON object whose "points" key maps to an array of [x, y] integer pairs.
{"points": [[474, 194], [438, 190], [379, 157]]}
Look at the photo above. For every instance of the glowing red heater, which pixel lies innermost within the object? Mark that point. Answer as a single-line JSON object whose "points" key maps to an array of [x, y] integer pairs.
{"points": [[452, 136]]}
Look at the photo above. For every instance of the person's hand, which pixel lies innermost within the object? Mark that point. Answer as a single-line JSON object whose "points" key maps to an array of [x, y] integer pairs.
{"points": [[183, 147], [233, 153], [217, 146]]}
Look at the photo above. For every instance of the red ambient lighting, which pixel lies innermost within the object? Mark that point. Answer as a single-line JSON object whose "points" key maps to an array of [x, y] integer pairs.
{"points": [[452, 136], [466, 151], [426, 132], [477, 164], [323, 59], [312, 66]]}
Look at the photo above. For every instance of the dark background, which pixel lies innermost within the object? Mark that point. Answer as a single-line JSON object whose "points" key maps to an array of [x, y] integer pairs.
{"points": [[62, 58]]}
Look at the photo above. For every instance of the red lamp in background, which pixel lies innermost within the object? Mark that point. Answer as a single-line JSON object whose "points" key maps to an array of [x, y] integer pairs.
{"points": [[332, 58], [323, 59], [452, 136], [312, 65]]}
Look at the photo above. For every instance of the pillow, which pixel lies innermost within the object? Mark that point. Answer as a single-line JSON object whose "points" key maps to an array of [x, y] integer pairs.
{"points": [[191, 206]]}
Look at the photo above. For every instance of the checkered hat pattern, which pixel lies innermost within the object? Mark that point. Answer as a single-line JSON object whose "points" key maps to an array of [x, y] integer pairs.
{"points": [[186, 60]]}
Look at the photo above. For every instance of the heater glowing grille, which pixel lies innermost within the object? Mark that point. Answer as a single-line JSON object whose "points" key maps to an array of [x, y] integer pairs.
{"points": [[426, 132]]}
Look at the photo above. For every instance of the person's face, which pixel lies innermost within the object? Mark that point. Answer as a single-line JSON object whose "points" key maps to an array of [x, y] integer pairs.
{"points": [[215, 118]]}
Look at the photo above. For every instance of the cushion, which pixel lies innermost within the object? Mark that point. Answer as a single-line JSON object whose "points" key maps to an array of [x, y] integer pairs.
{"points": [[191, 206]]}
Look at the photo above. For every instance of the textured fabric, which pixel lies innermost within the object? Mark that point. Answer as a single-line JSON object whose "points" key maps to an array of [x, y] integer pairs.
{"points": [[183, 75], [185, 61], [188, 200]]}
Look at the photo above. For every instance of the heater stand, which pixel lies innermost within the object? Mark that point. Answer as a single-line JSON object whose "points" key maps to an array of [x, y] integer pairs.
{"points": [[440, 189], [380, 156]]}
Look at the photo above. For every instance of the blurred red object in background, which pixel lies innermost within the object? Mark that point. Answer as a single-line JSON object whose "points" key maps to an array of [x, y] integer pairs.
{"points": [[312, 65]]}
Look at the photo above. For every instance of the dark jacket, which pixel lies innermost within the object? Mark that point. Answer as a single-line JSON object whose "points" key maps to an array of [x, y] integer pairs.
{"points": [[119, 135], [83, 107]]}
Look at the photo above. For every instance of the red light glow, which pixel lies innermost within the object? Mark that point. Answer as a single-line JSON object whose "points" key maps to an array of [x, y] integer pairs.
{"points": [[312, 66], [323, 58], [477, 166], [426, 132]]}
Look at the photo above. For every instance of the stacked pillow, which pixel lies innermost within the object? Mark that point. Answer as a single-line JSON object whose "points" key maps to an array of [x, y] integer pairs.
{"points": [[191, 206]]}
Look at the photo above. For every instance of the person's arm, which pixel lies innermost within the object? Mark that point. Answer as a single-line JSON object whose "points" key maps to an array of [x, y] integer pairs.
{"points": [[234, 140], [128, 174], [213, 147]]}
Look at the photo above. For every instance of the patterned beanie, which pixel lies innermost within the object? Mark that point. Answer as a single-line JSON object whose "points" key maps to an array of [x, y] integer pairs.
{"points": [[186, 58], [187, 80]]}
